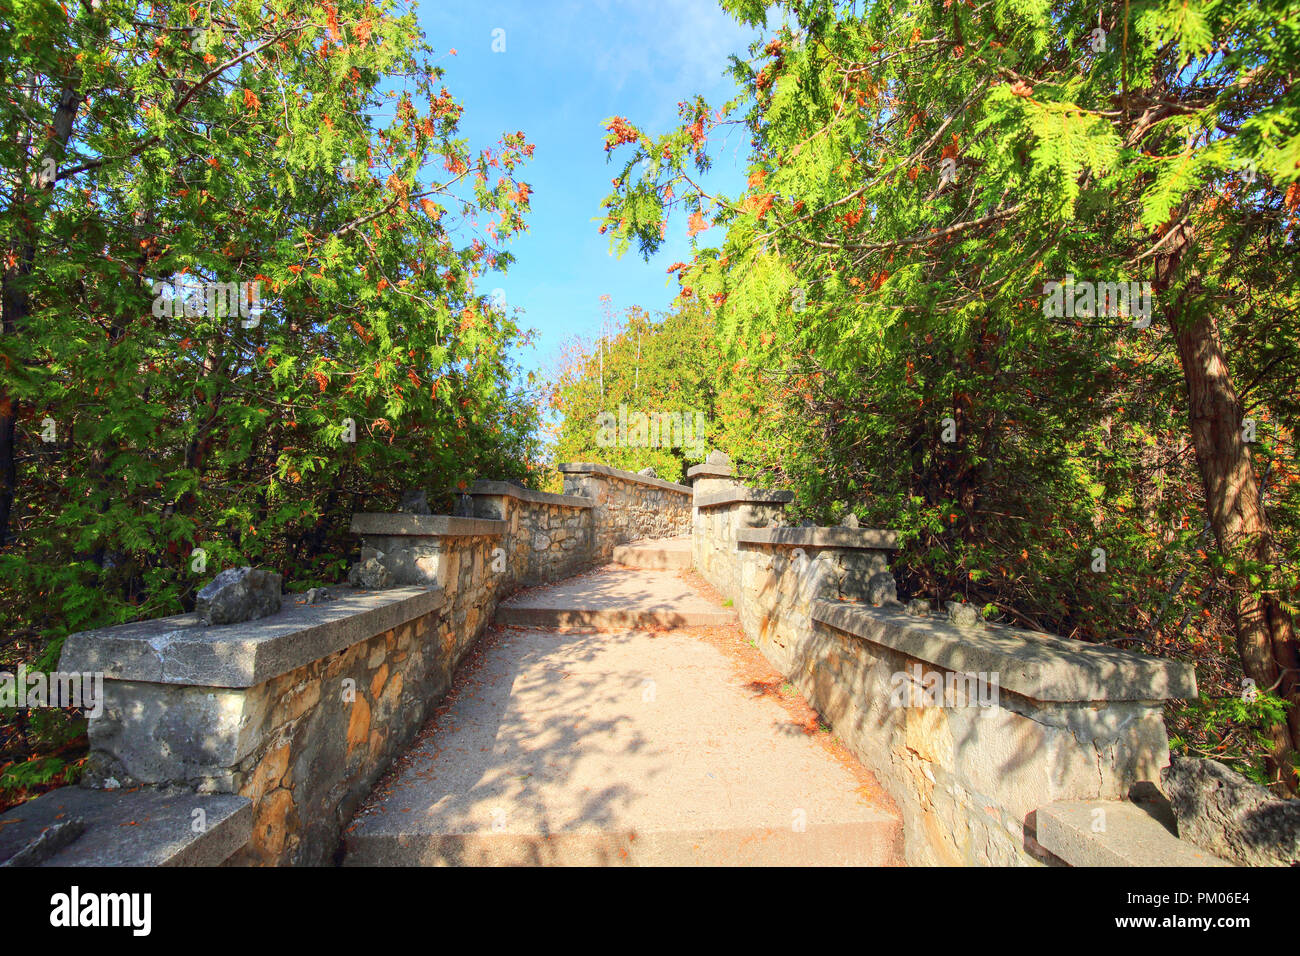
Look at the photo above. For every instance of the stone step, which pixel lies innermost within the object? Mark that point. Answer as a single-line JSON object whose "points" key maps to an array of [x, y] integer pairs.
{"points": [[655, 554], [1114, 833], [620, 748], [615, 598], [864, 843]]}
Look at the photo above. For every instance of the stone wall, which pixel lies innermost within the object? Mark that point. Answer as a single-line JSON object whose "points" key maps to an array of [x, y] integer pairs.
{"points": [[299, 712], [548, 537], [463, 556], [627, 506], [783, 571], [971, 730]]}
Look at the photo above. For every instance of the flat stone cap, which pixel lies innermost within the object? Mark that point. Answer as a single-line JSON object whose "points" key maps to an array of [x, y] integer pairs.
{"points": [[75, 826], [740, 496], [1113, 833], [506, 490], [591, 468], [1039, 666], [426, 526], [181, 650], [864, 538], [706, 470]]}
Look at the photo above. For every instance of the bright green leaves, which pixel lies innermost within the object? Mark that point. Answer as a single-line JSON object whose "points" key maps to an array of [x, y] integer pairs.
{"points": [[1183, 23], [1069, 143], [1064, 143], [753, 12], [1029, 27], [179, 429]]}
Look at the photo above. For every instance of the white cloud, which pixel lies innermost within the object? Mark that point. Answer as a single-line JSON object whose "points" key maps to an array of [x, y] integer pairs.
{"points": [[677, 45]]}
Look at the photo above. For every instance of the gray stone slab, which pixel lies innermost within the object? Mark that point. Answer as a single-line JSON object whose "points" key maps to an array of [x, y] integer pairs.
{"points": [[507, 490], [591, 468], [837, 537], [1113, 833], [1221, 811], [125, 828], [736, 496], [430, 526], [1042, 667], [710, 471], [181, 650]]}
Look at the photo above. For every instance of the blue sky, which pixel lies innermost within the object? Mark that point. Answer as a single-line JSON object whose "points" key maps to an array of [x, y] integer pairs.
{"points": [[567, 67]]}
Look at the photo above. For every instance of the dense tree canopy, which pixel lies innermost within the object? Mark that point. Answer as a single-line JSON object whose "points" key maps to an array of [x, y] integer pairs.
{"points": [[302, 161], [646, 372], [1021, 276]]}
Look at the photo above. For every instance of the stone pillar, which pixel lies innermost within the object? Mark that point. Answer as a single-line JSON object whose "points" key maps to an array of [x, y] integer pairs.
{"points": [[719, 518]]}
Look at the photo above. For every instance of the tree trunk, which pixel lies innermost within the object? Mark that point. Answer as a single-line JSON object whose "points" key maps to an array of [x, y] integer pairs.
{"points": [[14, 304], [1266, 640]]}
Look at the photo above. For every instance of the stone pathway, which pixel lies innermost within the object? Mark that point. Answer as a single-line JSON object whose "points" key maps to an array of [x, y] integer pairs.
{"points": [[628, 745]]}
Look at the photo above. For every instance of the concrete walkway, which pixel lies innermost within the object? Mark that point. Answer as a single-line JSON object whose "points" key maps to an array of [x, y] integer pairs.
{"points": [[626, 746]]}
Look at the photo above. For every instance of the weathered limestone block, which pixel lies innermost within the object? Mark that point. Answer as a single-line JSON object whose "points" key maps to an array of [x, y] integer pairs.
{"points": [[418, 565], [371, 574], [78, 827], [494, 508], [963, 614], [865, 577], [165, 733], [1223, 812], [239, 594], [415, 501], [317, 596], [881, 588]]}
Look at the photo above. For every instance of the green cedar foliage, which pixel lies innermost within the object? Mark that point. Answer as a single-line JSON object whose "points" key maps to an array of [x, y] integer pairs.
{"points": [[307, 147], [919, 173]]}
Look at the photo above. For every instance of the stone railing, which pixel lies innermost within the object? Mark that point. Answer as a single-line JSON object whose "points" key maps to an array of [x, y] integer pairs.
{"points": [[298, 712], [718, 519], [627, 506], [253, 743], [784, 570], [548, 536], [972, 729]]}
